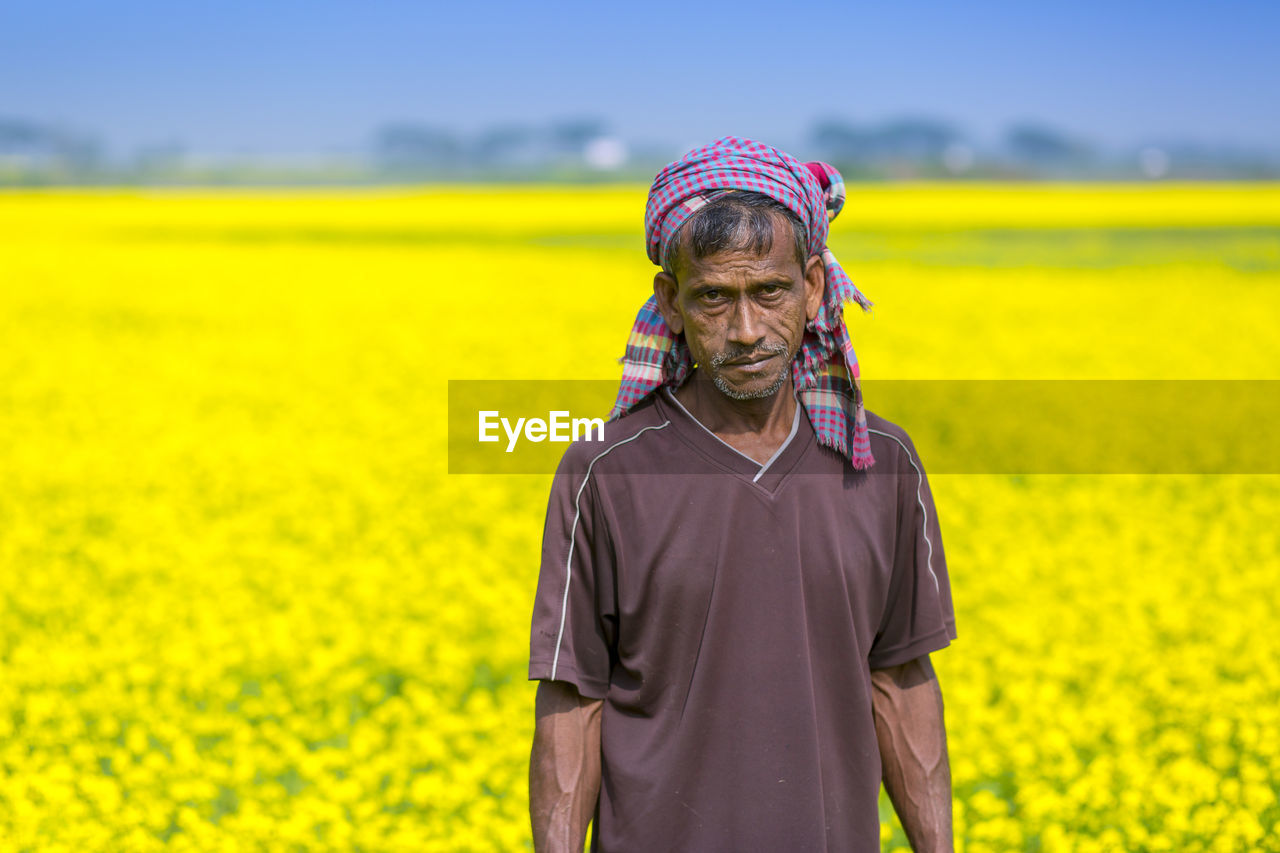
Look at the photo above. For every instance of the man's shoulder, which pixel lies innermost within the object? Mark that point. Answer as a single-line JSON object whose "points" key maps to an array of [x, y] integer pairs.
{"points": [[890, 441], [621, 440]]}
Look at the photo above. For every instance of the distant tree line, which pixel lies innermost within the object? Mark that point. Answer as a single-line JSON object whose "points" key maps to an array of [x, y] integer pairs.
{"points": [[44, 149], [929, 148], [585, 148], [410, 147]]}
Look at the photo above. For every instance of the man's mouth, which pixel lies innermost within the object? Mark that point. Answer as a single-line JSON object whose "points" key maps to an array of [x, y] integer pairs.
{"points": [[748, 360], [753, 361]]}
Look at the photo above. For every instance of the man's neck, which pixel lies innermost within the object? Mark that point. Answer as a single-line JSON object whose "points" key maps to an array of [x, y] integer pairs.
{"points": [[756, 428]]}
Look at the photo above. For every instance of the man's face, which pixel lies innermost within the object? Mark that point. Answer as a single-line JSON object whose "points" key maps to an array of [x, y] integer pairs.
{"points": [[743, 315]]}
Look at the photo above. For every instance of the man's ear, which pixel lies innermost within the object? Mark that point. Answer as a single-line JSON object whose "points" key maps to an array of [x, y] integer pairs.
{"points": [[664, 290], [815, 285]]}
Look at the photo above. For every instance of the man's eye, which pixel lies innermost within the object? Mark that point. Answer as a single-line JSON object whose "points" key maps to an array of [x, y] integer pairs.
{"points": [[711, 295]]}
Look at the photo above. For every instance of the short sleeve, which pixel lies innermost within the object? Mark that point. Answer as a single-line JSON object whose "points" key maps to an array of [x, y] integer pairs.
{"points": [[574, 612], [918, 615]]}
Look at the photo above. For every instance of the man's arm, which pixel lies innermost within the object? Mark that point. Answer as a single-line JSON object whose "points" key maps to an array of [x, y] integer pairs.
{"points": [[907, 703], [564, 769]]}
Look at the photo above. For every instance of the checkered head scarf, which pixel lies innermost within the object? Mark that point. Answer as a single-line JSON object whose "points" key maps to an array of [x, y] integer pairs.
{"points": [[825, 371]]}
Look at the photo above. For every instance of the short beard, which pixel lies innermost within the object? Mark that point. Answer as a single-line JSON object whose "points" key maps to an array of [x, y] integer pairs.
{"points": [[734, 394]]}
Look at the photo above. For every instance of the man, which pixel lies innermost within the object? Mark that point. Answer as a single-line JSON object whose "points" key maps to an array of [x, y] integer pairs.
{"points": [[741, 585]]}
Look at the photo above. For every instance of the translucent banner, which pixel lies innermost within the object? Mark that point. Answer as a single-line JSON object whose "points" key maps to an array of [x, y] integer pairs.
{"points": [[958, 426]]}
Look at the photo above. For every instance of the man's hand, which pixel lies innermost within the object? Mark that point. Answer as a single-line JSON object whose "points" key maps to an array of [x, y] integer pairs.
{"points": [[907, 703], [564, 769]]}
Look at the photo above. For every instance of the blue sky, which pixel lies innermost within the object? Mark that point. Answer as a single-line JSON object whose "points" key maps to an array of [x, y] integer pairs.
{"points": [[295, 76]]}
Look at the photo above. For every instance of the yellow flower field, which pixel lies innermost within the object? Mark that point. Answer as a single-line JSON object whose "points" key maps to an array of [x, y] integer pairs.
{"points": [[243, 605]]}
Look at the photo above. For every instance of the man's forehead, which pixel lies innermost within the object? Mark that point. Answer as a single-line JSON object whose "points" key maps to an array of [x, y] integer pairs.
{"points": [[737, 262], [734, 264], [727, 262]]}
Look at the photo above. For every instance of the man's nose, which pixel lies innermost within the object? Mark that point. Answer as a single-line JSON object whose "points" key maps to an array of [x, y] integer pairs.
{"points": [[745, 323]]}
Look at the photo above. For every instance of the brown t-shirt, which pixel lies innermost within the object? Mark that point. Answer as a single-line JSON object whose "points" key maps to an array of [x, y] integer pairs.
{"points": [[729, 614]]}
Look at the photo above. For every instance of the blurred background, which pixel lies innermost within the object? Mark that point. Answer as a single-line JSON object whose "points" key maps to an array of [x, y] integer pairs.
{"points": [[346, 93]]}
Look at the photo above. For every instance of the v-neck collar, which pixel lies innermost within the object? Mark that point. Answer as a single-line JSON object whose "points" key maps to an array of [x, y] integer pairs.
{"points": [[766, 475]]}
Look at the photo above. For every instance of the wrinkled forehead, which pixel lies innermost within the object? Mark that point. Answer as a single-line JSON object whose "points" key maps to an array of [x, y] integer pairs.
{"points": [[744, 253], [742, 267], [674, 233]]}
